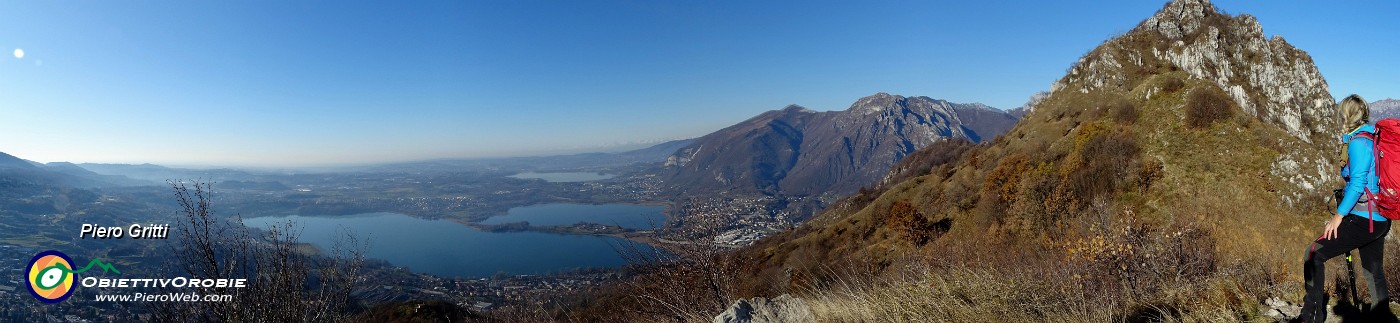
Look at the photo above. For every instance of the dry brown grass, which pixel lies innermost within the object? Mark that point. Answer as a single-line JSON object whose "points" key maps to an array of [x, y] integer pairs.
{"points": [[1125, 272], [952, 295]]}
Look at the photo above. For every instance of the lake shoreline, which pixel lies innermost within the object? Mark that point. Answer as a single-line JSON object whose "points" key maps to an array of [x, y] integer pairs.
{"points": [[456, 249]]}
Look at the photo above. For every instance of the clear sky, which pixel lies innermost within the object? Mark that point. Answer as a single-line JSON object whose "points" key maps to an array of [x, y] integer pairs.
{"points": [[286, 83]]}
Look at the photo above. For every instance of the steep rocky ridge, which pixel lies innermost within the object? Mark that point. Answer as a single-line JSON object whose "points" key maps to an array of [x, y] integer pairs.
{"points": [[1266, 77], [1192, 131]]}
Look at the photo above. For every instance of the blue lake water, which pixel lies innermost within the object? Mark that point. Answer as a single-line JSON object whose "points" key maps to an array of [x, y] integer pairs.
{"points": [[564, 176], [640, 217], [447, 248]]}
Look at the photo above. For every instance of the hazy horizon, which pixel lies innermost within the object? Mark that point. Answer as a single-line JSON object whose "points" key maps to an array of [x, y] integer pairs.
{"points": [[334, 166], [306, 84]]}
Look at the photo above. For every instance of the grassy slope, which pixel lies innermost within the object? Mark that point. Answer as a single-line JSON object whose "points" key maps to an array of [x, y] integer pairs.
{"points": [[1081, 183], [1134, 192]]}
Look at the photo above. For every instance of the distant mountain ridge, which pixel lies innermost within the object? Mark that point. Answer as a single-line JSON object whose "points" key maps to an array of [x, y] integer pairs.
{"points": [[7, 160], [58, 174], [585, 161], [797, 151], [985, 122], [1388, 108]]}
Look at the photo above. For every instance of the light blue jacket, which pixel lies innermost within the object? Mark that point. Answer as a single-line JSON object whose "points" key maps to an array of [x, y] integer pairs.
{"points": [[1360, 172]]}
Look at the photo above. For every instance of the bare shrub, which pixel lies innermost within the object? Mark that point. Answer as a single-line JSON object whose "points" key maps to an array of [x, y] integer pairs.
{"points": [[284, 282], [1100, 164], [1172, 83], [688, 281], [1124, 110], [1206, 105], [1134, 262]]}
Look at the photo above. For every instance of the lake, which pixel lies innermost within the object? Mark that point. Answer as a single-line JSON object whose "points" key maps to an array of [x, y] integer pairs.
{"points": [[639, 217], [563, 176], [446, 248]]}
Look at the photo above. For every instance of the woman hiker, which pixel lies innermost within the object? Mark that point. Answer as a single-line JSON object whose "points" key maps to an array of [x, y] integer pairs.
{"points": [[1350, 227]]}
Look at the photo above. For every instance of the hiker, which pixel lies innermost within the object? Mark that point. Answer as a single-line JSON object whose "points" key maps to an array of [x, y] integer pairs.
{"points": [[1356, 223]]}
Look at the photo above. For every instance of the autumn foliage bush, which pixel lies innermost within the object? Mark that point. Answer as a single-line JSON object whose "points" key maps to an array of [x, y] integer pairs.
{"points": [[912, 225], [1137, 258]]}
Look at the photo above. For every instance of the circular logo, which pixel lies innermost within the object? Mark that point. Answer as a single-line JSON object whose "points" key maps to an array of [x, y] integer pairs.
{"points": [[50, 276]]}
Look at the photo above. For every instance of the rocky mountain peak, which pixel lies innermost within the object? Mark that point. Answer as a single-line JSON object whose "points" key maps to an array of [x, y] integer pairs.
{"points": [[1180, 18], [877, 102], [797, 108], [1267, 78]]}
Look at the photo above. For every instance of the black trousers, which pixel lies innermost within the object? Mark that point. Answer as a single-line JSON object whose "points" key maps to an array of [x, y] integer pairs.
{"points": [[1354, 233]]}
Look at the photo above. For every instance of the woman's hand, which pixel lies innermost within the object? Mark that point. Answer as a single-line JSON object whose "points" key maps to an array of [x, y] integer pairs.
{"points": [[1331, 231]]}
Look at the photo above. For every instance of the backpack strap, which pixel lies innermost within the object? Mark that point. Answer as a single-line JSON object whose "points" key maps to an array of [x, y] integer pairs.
{"points": [[1370, 211], [1370, 197], [1358, 135]]}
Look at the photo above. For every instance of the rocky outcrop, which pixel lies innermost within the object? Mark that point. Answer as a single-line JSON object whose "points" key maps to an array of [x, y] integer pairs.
{"points": [[1283, 311], [1267, 78], [781, 309], [1280, 310], [1027, 108], [1287, 88]]}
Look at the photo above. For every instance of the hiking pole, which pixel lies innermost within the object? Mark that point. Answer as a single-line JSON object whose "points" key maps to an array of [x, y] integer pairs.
{"points": [[1351, 278]]}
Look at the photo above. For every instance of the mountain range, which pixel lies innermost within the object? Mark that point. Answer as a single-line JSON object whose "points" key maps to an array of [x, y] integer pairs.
{"points": [[797, 151], [1388, 108], [59, 174]]}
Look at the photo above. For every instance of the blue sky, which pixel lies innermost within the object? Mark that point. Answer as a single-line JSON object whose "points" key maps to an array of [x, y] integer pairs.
{"points": [[272, 83]]}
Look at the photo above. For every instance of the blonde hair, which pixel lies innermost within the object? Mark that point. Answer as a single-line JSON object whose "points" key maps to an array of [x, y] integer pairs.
{"points": [[1353, 111]]}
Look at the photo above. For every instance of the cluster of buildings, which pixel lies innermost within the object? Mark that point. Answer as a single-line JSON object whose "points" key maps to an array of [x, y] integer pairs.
{"points": [[484, 294], [733, 221]]}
